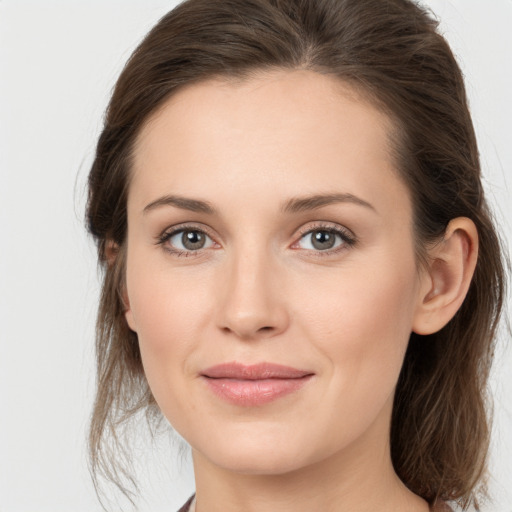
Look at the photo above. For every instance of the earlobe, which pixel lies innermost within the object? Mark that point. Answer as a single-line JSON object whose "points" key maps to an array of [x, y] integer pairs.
{"points": [[446, 281]]}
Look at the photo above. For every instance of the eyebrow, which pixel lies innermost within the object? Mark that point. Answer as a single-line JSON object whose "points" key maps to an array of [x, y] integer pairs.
{"points": [[302, 204], [193, 205], [294, 205]]}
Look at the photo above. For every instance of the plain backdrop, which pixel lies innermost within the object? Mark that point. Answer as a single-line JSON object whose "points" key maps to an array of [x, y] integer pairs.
{"points": [[58, 63]]}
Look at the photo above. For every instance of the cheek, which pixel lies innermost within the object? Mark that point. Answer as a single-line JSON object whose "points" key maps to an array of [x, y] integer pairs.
{"points": [[169, 310], [361, 320], [164, 301]]}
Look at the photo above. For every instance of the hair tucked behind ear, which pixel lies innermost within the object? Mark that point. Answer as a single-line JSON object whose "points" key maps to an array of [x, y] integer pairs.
{"points": [[390, 51]]}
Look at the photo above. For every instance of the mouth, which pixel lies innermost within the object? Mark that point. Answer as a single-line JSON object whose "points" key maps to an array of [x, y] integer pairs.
{"points": [[252, 385]]}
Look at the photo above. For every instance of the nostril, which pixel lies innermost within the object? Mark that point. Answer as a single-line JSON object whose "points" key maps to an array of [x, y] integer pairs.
{"points": [[250, 321]]}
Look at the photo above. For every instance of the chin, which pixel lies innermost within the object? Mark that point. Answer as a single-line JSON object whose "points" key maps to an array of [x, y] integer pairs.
{"points": [[259, 451], [259, 461]]}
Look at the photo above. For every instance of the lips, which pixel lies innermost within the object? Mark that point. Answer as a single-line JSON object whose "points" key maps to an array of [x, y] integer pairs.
{"points": [[251, 385], [254, 372]]}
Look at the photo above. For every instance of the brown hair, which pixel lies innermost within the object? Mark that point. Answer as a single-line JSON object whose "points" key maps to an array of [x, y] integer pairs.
{"points": [[391, 52]]}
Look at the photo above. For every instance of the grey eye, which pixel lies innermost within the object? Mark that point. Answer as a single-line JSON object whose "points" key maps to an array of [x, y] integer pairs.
{"points": [[321, 240], [193, 240], [190, 240]]}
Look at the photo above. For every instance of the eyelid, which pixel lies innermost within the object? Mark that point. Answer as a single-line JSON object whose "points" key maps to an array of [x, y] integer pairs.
{"points": [[184, 226], [327, 226]]}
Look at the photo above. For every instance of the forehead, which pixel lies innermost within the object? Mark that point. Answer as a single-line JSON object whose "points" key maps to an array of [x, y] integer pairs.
{"points": [[268, 101], [276, 132]]}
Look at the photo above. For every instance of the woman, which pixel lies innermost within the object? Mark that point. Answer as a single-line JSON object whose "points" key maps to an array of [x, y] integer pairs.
{"points": [[301, 273]]}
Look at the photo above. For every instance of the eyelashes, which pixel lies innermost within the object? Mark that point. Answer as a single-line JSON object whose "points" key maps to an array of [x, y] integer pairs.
{"points": [[318, 239]]}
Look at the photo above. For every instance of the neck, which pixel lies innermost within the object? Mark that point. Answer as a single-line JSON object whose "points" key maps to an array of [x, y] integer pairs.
{"points": [[359, 478]]}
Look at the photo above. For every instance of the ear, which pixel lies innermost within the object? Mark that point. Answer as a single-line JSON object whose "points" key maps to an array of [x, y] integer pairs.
{"points": [[446, 281], [128, 313], [130, 320], [112, 253]]}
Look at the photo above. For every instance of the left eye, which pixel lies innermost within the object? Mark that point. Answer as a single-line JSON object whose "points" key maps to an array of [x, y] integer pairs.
{"points": [[321, 240], [189, 240]]}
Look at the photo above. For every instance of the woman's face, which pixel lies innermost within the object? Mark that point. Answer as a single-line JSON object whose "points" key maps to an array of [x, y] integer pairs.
{"points": [[267, 225]]}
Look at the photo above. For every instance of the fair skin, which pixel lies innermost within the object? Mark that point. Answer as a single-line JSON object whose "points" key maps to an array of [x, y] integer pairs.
{"points": [[330, 286]]}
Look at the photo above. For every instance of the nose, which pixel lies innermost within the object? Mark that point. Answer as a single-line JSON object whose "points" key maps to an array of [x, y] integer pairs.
{"points": [[252, 301]]}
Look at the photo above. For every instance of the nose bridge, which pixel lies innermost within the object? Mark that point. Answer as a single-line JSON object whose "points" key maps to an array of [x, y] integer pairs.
{"points": [[252, 305]]}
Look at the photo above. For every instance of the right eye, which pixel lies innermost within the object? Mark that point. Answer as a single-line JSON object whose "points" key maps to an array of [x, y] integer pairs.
{"points": [[187, 240]]}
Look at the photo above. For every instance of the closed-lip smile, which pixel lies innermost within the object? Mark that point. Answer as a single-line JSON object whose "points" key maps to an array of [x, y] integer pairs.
{"points": [[255, 384]]}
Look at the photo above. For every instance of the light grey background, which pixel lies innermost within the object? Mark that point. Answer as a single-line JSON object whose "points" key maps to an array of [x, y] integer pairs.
{"points": [[58, 63]]}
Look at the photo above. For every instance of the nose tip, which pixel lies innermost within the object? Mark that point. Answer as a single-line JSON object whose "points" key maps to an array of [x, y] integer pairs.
{"points": [[253, 305]]}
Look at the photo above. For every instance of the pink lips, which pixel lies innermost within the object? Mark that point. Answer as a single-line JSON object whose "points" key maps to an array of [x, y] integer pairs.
{"points": [[258, 384]]}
